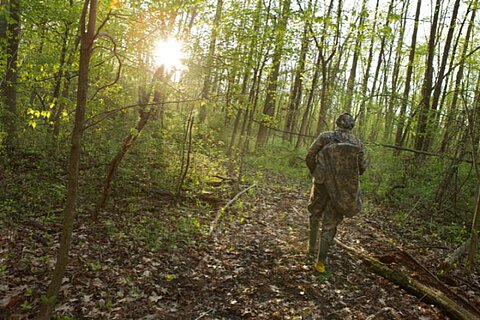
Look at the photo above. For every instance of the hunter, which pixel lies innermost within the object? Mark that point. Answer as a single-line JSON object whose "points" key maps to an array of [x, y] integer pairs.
{"points": [[335, 160]]}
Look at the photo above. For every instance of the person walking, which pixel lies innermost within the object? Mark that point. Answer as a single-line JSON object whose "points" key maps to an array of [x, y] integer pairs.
{"points": [[335, 160]]}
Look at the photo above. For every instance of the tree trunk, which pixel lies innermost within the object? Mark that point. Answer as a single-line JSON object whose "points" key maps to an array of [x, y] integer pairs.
{"points": [[356, 55], [417, 288], [406, 91], [297, 87], [390, 114], [362, 113], [458, 84], [8, 86], [383, 40], [430, 124], [87, 38], [427, 83], [211, 53], [244, 102], [325, 95], [128, 141], [272, 82], [308, 107]]}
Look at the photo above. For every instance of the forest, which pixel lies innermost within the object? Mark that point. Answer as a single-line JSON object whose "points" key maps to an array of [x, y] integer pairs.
{"points": [[152, 158]]}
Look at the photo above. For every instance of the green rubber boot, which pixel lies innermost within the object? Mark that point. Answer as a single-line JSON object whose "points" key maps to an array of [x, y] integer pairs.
{"points": [[312, 243], [325, 244]]}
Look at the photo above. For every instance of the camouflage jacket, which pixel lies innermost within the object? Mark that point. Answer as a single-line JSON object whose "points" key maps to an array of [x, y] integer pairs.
{"points": [[338, 136], [336, 159]]}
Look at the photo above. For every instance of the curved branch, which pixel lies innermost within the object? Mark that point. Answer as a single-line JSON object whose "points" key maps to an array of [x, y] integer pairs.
{"points": [[119, 70]]}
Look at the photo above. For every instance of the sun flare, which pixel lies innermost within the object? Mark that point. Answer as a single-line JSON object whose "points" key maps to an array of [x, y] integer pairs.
{"points": [[169, 53]]}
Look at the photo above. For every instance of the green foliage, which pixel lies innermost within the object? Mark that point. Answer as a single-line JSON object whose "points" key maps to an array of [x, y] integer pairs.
{"points": [[279, 159]]}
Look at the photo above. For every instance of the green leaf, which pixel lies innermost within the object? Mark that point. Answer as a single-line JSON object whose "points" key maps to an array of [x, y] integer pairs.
{"points": [[48, 300]]}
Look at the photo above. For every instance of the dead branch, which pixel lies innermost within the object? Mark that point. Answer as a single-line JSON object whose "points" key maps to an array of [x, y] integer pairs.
{"points": [[444, 287], [433, 295], [224, 208], [456, 255]]}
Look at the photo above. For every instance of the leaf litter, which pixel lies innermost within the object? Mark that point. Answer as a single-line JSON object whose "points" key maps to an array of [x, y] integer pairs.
{"points": [[254, 267]]}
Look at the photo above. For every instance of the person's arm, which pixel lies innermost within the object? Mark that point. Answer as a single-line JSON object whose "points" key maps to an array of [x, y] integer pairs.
{"points": [[315, 148], [362, 161]]}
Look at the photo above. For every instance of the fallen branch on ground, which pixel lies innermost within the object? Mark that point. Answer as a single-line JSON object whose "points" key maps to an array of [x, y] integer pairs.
{"points": [[433, 295], [222, 210], [455, 256]]}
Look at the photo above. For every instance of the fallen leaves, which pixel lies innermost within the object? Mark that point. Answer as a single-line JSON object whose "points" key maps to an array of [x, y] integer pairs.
{"points": [[256, 268]]}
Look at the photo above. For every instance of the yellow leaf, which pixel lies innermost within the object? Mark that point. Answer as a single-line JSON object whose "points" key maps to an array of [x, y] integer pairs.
{"points": [[320, 267], [170, 277]]}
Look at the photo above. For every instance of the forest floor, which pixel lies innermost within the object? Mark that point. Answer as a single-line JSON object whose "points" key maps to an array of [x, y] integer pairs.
{"points": [[254, 266]]}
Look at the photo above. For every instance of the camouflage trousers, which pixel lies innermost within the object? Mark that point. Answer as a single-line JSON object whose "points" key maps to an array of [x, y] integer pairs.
{"points": [[320, 210]]}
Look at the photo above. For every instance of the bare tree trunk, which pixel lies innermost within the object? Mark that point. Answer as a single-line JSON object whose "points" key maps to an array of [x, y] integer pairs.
{"points": [[244, 102], [297, 87], [356, 55], [127, 143], [362, 113], [325, 95], [390, 112], [406, 92], [87, 38], [308, 107], [207, 81], [272, 82], [383, 41], [8, 86], [458, 82], [431, 125]]}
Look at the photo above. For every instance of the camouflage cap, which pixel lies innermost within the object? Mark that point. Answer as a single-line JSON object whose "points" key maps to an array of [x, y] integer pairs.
{"points": [[345, 121]]}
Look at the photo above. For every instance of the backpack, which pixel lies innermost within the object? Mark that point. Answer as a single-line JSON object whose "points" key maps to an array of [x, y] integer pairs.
{"points": [[338, 169]]}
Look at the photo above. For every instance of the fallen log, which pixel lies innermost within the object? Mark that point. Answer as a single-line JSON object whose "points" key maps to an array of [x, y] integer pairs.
{"points": [[432, 295]]}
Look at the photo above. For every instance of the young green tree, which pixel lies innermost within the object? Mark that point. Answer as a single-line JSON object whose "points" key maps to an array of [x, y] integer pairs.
{"points": [[88, 31]]}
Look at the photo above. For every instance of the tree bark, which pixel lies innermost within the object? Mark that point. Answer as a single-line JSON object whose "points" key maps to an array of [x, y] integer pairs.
{"points": [[362, 113], [272, 82], [431, 125], [399, 138], [390, 114], [8, 86], [458, 86], [207, 81], [433, 295], [356, 55], [87, 38], [297, 87], [127, 143]]}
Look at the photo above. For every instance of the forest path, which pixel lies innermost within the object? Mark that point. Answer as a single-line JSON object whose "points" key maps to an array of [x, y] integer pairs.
{"points": [[259, 270], [254, 267]]}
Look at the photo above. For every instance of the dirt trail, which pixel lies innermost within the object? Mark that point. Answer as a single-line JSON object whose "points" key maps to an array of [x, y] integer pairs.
{"points": [[259, 270], [256, 268]]}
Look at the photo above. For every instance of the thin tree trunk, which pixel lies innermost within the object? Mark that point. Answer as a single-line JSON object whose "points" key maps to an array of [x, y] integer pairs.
{"points": [[127, 143], [362, 113], [207, 81], [383, 40], [396, 71], [272, 82], [441, 75], [427, 83], [325, 96], [356, 55], [87, 38], [406, 92], [308, 107], [297, 87], [458, 81], [8, 86]]}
